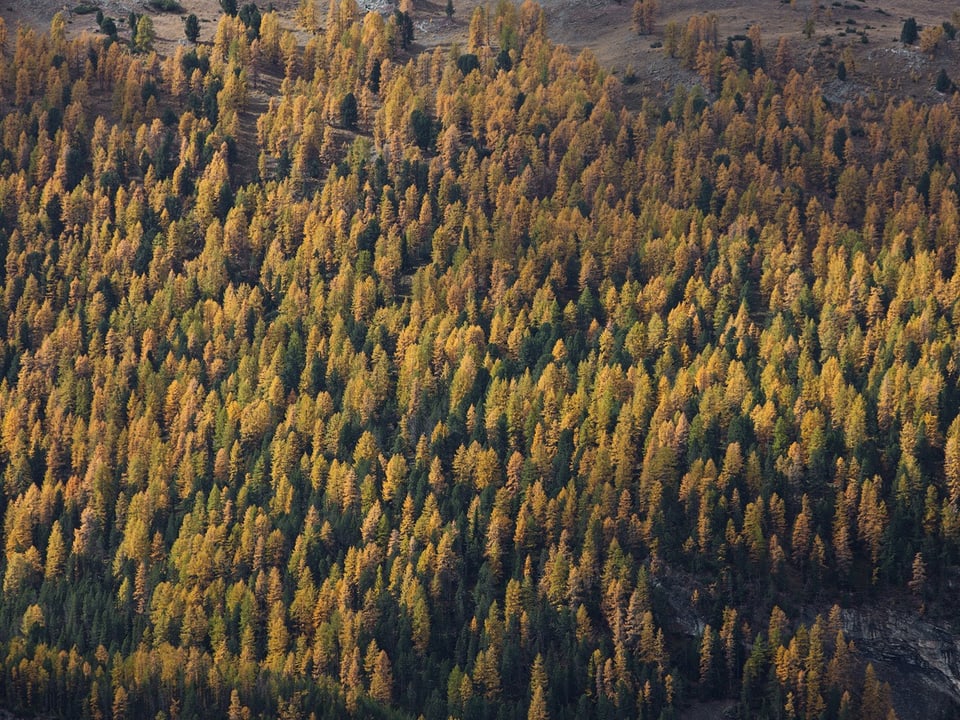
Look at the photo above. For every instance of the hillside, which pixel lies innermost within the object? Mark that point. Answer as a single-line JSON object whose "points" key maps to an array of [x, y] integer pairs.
{"points": [[347, 374], [866, 30]]}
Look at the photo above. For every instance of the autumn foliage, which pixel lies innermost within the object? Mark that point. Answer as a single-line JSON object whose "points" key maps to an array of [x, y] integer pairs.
{"points": [[462, 406]]}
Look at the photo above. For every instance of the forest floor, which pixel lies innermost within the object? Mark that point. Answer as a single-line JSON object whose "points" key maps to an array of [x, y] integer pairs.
{"points": [[882, 64]]}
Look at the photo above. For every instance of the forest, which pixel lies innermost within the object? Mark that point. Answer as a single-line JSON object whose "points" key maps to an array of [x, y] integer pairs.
{"points": [[447, 385]]}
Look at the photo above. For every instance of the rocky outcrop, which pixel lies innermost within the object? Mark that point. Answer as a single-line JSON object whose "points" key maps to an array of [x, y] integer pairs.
{"points": [[919, 656], [920, 659]]}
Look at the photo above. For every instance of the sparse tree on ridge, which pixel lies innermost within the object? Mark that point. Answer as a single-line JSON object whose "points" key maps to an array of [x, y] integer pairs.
{"points": [[191, 28], [144, 35], [909, 32]]}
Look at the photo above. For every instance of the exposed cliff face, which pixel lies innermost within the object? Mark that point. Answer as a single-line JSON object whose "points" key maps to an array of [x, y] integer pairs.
{"points": [[920, 659]]}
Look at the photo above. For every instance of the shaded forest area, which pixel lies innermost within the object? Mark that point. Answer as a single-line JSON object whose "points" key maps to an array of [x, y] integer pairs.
{"points": [[440, 412]]}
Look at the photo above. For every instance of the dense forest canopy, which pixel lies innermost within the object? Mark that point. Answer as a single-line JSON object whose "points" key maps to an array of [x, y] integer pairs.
{"points": [[447, 385]]}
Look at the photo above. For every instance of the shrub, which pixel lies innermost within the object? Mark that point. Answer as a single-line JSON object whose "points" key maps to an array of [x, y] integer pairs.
{"points": [[109, 28], [166, 5], [467, 63], [943, 83]]}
